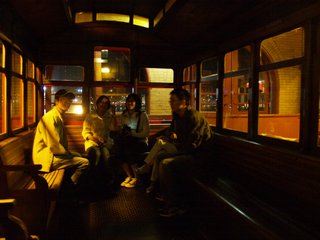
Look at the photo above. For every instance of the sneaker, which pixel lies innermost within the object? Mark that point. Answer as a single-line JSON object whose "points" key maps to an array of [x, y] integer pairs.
{"points": [[143, 169], [170, 212], [159, 197], [151, 189], [127, 180], [132, 183]]}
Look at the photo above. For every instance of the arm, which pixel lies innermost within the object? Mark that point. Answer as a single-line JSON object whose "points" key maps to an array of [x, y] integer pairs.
{"points": [[144, 127]]}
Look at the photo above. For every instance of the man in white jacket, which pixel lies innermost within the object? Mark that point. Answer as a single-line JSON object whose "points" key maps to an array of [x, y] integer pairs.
{"points": [[50, 146]]}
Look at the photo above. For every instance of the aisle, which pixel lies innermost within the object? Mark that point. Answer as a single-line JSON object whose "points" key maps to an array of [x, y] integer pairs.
{"points": [[130, 214]]}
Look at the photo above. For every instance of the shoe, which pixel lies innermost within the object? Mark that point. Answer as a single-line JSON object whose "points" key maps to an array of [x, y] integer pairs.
{"points": [[170, 212], [144, 169], [159, 197], [132, 183], [151, 189], [127, 180]]}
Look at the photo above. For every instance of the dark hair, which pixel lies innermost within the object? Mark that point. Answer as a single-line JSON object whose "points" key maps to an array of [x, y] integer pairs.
{"points": [[64, 93], [181, 94], [137, 99], [101, 98]]}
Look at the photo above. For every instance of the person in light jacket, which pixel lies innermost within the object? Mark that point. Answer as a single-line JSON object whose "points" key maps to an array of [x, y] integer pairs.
{"points": [[50, 146]]}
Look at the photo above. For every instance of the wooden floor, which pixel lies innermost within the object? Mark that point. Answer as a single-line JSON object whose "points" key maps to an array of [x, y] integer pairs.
{"points": [[127, 214]]}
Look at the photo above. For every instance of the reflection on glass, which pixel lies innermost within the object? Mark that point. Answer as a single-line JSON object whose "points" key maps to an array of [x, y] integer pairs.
{"points": [[17, 103], [111, 64], [156, 102], [31, 101], [117, 96], [209, 96], [156, 75], [209, 67], [237, 60], [64, 73], [49, 98], [235, 103], [2, 55], [3, 111], [191, 88], [279, 103], [16, 62], [189, 73], [285, 46], [30, 69]]}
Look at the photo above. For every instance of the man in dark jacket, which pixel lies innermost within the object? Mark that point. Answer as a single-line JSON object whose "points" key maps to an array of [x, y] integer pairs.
{"points": [[193, 138]]}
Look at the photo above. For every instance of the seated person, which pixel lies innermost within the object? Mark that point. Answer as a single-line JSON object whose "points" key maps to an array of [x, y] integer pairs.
{"points": [[192, 137], [50, 146], [133, 139], [98, 143]]}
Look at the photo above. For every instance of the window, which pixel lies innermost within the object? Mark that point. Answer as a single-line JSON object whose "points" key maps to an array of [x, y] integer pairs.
{"points": [[2, 55], [156, 95], [17, 96], [64, 73], [112, 64], [117, 96], [280, 86], [156, 75], [236, 89], [17, 103], [49, 98], [31, 103], [30, 69], [209, 89], [156, 102], [3, 111], [140, 21]]}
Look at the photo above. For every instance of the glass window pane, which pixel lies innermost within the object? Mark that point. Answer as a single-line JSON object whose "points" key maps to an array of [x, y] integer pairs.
{"points": [[2, 55], [17, 104], [156, 75], [38, 75], [16, 62], [81, 17], [30, 69], [157, 103], [237, 60], [3, 111], [31, 100], [279, 103], [113, 17], [189, 73], [111, 64], [208, 100], [191, 88], [64, 73], [76, 105], [209, 67], [141, 21], [117, 96], [235, 103], [283, 47]]}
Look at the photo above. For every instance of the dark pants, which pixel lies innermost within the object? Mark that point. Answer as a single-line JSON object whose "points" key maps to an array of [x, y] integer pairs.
{"points": [[174, 177]]}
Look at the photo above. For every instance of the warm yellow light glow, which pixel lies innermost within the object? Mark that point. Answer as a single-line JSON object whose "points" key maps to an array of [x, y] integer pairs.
{"points": [[140, 21], [105, 70], [78, 109], [157, 19], [82, 17], [113, 17]]}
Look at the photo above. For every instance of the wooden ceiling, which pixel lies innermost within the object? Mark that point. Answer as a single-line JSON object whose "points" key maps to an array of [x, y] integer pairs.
{"points": [[188, 24]]}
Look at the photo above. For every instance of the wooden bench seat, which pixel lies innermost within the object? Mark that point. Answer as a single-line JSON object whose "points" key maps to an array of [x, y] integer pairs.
{"points": [[35, 192], [243, 206]]}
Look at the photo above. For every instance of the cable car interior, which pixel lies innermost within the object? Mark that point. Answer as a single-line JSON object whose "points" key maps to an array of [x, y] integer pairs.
{"points": [[251, 68]]}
